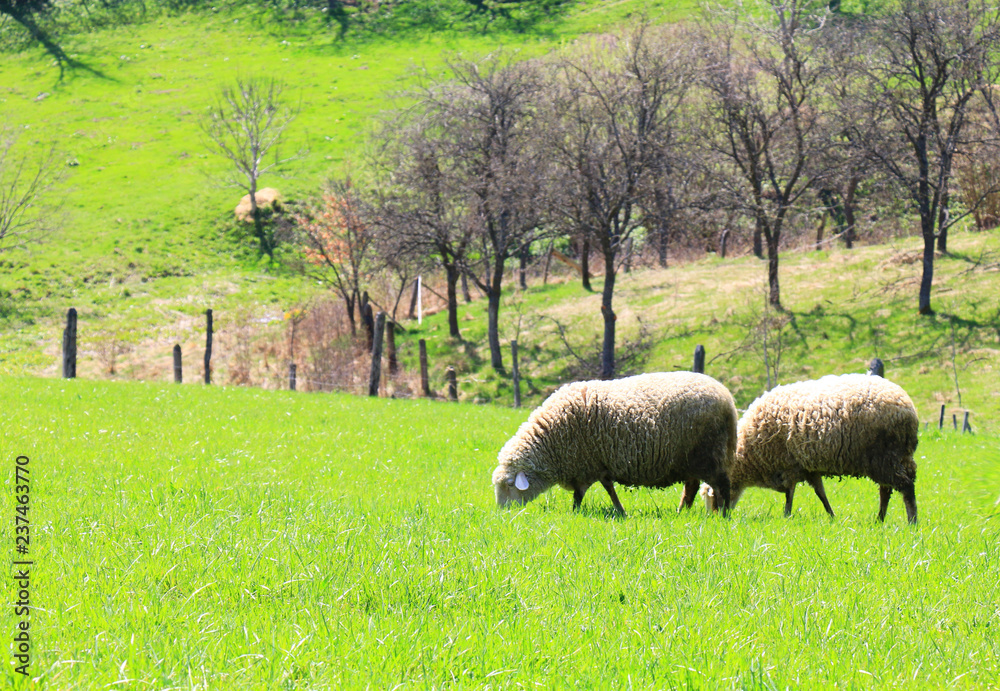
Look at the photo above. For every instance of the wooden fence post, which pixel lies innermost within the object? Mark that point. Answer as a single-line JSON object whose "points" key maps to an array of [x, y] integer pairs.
{"points": [[376, 373], [420, 300], [291, 376], [390, 347], [178, 372], [425, 382], [208, 346], [722, 243], [699, 359], [452, 384], [69, 345], [516, 373], [954, 421], [368, 321], [941, 420], [966, 427], [876, 367]]}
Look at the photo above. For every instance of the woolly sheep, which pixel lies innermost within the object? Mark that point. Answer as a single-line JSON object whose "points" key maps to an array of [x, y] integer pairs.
{"points": [[859, 425], [650, 430]]}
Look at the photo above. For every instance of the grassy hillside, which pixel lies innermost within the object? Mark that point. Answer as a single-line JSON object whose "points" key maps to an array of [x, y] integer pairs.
{"points": [[843, 309], [141, 199], [146, 242], [191, 537], [144, 223]]}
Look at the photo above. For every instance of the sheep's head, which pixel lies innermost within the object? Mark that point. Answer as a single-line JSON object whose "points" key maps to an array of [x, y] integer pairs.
{"points": [[515, 487]]}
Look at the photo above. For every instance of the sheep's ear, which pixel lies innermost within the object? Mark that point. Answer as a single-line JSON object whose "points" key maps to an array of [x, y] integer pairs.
{"points": [[521, 481]]}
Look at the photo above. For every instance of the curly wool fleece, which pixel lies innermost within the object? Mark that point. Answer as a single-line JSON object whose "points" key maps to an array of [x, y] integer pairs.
{"points": [[856, 425], [650, 430]]}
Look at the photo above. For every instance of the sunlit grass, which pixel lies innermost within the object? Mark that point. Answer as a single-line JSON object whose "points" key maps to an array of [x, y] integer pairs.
{"points": [[191, 537]]}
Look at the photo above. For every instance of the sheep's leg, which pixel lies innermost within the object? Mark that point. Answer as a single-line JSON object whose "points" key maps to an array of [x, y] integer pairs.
{"points": [[789, 495], [910, 502], [723, 494], [610, 487], [817, 484], [578, 497], [883, 501], [689, 494]]}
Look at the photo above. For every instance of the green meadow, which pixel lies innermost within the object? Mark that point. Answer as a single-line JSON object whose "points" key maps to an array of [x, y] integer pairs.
{"points": [[142, 201], [191, 537]]}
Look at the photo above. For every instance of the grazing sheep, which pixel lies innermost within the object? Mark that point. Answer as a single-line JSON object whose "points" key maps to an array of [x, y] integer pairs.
{"points": [[859, 425], [650, 430]]}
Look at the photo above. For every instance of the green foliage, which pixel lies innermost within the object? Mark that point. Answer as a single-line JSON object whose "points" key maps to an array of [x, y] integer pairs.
{"points": [[237, 538]]}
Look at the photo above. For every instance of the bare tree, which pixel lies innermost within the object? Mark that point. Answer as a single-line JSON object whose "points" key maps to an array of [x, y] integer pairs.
{"points": [[421, 205], [246, 125], [678, 184], [611, 108], [337, 242], [765, 120], [487, 110], [24, 185], [923, 63], [463, 175], [839, 192]]}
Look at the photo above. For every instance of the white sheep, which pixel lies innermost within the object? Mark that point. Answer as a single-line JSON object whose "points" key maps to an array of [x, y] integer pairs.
{"points": [[856, 425], [650, 430]]}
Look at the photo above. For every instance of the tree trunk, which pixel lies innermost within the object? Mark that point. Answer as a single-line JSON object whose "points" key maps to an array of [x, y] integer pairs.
{"points": [[349, 305], [608, 349], [924, 305], [942, 224], [850, 234], [548, 261], [465, 288], [413, 299], [662, 239], [820, 229], [451, 275], [585, 264], [774, 289], [523, 257], [758, 245], [258, 226], [390, 347], [493, 316], [368, 321]]}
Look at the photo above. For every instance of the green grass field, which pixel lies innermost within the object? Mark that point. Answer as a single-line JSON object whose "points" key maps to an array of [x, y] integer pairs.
{"points": [[228, 538], [190, 537]]}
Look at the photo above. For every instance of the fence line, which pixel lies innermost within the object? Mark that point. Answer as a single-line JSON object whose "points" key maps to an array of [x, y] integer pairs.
{"points": [[69, 356]]}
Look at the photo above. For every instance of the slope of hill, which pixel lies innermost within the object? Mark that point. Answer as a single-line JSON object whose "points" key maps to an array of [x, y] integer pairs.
{"points": [[141, 198], [141, 206]]}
